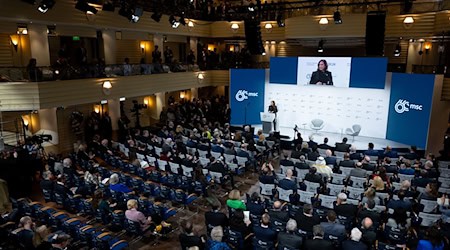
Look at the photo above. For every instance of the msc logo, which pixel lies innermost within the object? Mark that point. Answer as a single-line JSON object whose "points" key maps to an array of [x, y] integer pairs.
{"points": [[403, 106], [242, 95]]}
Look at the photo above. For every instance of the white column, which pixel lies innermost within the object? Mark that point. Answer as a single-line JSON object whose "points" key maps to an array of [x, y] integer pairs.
{"points": [[160, 102], [109, 46], [158, 40], [39, 44], [49, 124], [193, 45]]}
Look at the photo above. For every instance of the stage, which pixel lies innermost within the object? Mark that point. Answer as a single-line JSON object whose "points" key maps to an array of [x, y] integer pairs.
{"points": [[360, 142]]}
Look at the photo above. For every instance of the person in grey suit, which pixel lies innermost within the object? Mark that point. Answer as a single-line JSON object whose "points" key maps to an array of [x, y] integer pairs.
{"points": [[289, 239], [333, 228], [358, 171]]}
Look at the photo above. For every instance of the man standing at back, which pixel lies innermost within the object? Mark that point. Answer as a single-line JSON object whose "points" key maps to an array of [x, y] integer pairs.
{"points": [[342, 146]]}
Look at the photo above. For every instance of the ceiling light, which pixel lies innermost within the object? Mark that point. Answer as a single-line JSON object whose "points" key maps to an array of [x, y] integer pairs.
{"points": [[320, 46], [280, 20], [408, 22], [268, 27], [46, 5], [85, 7], [323, 21], [173, 22], [234, 27], [22, 29], [337, 17], [398, 50], [122, 99], [107, 85]]}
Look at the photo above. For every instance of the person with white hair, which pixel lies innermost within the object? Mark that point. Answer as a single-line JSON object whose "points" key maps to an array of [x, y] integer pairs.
{"points": [[343, 208], [290, 239], [354, 242], [330, 159], [322, 167], [114, 184], [355, 155], [311, 142], [288, 183], [216, 240]]}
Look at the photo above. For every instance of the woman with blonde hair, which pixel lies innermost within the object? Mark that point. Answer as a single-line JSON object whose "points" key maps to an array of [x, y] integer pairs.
{"points": [[40, 239], [234, 201], [378, 185], [134, 215]]}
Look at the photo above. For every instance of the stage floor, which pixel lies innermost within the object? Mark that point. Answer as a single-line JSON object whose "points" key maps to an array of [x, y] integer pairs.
{"points": [[360, 142]]}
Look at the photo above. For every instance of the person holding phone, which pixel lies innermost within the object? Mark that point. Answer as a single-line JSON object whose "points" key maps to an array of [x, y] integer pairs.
{"points": [[322, 76]]}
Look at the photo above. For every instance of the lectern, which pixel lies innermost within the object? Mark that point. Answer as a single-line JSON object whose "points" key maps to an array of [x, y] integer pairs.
{"points": [[267, 121]]}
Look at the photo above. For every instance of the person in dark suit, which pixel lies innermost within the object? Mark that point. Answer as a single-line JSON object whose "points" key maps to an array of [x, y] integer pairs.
{"points": [[276, 214], [388, 152], [285, 161], [370, 212], [47, 182], [302, 164], [264, 232], [313, 176], [342, 208], [288, 183], [355, 155], [317, 242], [412, 155], [321, 76], [325, 145], [354, 242], [347, 163], [330, 159], [273, 109], [400, 203], [371, 151], [314, 154], [215, 218], [306, 220], [311, 142], [342, 146], [267, 176], [295, 154], [369, 235], [289, 238], [255, 206], [332, 227]]}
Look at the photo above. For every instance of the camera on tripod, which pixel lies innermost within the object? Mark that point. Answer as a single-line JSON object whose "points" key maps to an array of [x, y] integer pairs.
{"points": [[39, 139], [137, 106]]}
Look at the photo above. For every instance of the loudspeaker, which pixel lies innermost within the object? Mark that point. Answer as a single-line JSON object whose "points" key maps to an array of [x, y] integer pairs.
{"points": [[375, 26], [253, 37]]}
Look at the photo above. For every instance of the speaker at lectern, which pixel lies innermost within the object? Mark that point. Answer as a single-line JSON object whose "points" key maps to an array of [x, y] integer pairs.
{"points": [[267, 121]]}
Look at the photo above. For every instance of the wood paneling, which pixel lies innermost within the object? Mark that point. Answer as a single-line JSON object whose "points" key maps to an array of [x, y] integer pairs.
{"points": [[442, 22], [66, 30], [308, 27], [285, 49], [132, 50], [223, 29], [66, 136], [19, 96], [423, 26], [445, 96], [73, 92], [6, 48]]}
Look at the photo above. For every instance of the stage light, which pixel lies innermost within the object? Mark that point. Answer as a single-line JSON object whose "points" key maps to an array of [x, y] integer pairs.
{"points": [[264, 53], [173, 22], [108, 6], [337, 17], [320, 46], [251, 7], [85, 7], [398, 50], [280, 20], [132, 16], [156, 16], [46, 5]]}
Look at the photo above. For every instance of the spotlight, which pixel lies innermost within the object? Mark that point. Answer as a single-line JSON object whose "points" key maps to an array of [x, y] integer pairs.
{"points": [[397, 50], [85, 7], [320, 47], [337, 17], [251, 7], [156, 16], [280, 21], [173, 22], [46, 5], [108, 6], [132, 16]]}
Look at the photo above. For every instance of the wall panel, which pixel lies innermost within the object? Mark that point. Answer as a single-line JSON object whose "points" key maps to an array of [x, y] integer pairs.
{"points": [[423, 26]]}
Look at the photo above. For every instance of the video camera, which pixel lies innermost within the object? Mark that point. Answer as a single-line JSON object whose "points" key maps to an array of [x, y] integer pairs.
{"points": [[39, 139]]}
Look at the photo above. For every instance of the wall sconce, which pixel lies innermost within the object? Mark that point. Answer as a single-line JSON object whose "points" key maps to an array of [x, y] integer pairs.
{"points": [[182, 94], [235, 27], [268, 27], [142, 46], [106, 87], [190, 25], [408, 22], [323, 22], [427, 47], [14, 41], [26, 121], [97, 109], [146, 101], [200, 77]]}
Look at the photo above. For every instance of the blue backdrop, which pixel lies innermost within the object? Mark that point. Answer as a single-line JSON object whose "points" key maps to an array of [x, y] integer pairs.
{"points": [[283, 70], [410, 108], [246, 95], [368, 72]]}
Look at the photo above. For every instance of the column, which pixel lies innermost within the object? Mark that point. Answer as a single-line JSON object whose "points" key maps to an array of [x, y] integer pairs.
{"points": [[49, 126], [160, 102], [194, 93], [158, 40], [39, 44], [114, 112], [109, 46], [193, 44]]}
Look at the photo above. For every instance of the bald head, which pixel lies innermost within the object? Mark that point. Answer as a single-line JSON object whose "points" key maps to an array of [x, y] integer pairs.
{"points": [[328, 153], [289, 173], [406, 184], [367, 223], [277, 205]]}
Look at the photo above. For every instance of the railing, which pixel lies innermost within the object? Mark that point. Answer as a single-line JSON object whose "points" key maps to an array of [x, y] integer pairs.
{"points": [[430, 69]]}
